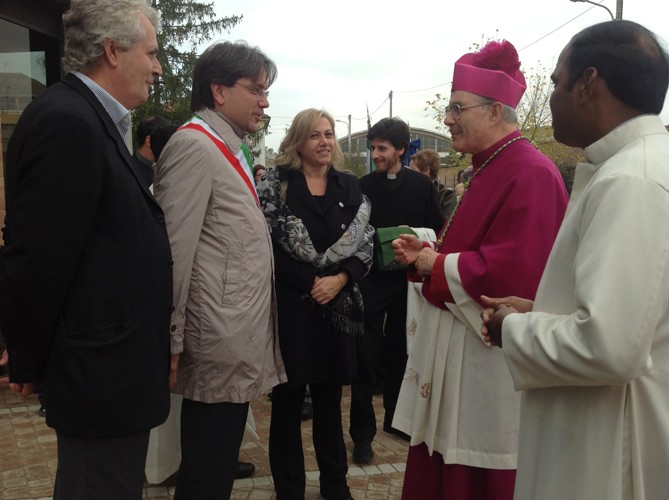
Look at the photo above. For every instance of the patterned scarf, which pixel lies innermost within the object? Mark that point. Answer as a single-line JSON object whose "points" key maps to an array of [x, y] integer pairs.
{"points": [[345, 312]]}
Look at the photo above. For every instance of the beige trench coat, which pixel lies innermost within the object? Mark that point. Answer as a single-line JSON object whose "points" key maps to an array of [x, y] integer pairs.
{"points": [[224, 319]]}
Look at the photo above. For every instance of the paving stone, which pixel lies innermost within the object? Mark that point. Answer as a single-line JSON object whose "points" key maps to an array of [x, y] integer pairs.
{"points": [[387, 468], [28, 457], [11, 474], [257, 494], [35, 483], [16, 493], [14, 482]]}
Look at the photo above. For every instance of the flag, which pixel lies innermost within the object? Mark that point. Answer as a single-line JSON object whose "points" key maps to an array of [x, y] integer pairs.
{"points": [[369, 164], [414, 146]]}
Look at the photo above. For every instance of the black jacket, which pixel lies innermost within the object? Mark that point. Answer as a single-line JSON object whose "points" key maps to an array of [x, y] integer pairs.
{"points": [[85, 277], [409, 200], [311, 350]]}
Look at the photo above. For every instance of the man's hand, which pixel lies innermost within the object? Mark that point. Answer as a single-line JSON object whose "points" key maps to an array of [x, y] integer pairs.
{"points": [[174, 363], [4, 361], [519, 304], [406, 248], [494, 313], [425, 261], [24, 389], [326, 288]]}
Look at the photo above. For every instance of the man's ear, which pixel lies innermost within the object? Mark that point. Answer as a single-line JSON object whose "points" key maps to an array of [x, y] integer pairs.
{"points": [[496, 111], [110, 52], [218, 93], [588, 83]]}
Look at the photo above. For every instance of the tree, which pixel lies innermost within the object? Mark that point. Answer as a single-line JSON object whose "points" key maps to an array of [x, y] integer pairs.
{"points": [[254, 140], [533, 110], [436, 110], [564, 157], [186, 24]]}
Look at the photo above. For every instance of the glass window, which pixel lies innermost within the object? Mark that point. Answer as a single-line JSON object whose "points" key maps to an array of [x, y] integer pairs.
{"points": [[29, 62]]}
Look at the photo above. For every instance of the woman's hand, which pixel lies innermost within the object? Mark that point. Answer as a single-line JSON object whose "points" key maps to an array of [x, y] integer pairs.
{"points": [[326, 288]]}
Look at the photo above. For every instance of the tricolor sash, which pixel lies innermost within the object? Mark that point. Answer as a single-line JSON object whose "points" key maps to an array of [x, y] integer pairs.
{"points": [[239, 162]]}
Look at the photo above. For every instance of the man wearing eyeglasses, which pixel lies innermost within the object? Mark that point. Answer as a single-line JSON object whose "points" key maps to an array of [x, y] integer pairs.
{"points": [[457, 399], [225, 352]]}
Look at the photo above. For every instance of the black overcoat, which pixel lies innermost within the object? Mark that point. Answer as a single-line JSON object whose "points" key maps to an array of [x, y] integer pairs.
{"points": [[85, 276]]}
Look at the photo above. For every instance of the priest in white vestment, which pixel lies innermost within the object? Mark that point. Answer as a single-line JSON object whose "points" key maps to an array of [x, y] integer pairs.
{"points": [[591, 355]]}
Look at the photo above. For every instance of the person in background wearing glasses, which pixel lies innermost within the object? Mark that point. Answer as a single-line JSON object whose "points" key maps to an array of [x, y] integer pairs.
{"points": [[225, 350], [457, 399]]}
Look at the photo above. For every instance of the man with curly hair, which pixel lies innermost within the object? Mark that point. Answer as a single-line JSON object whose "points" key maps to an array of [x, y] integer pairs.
{"points": [[85, 279]]}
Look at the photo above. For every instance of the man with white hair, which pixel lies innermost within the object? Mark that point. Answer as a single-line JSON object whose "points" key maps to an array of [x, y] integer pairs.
{"points": [[464, 427], [85, 277]]}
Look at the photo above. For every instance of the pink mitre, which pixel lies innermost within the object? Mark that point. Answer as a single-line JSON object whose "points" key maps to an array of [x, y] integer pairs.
{"points": [[492, 72]]}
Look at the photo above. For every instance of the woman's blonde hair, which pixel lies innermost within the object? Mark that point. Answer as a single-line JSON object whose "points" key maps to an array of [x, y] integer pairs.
{"points": [[302, 127]]}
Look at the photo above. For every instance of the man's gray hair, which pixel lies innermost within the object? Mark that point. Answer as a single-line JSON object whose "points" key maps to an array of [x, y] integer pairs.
{"points": [[88, 23], [509, 114]]}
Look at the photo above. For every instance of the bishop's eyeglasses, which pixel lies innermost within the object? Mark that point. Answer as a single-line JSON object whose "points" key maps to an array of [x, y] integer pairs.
{"points": [[456, 109]]}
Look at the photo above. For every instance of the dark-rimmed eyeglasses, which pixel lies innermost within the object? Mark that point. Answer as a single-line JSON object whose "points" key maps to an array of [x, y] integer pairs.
{"points": [[256, 91], [456, 110]]}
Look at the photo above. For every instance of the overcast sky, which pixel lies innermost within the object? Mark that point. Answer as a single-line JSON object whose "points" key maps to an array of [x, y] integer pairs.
{"points": [[346, 55]]}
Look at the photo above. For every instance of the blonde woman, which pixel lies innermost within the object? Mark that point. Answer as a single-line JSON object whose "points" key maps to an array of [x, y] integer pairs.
{"points": [[322, 240]]}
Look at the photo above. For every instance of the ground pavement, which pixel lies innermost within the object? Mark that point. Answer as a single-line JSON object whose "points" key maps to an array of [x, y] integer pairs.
{"points": [[28, 457]]}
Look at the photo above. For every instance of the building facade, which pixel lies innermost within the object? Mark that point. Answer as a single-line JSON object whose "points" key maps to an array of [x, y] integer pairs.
{"points": [[30, 51], [429, 140]]}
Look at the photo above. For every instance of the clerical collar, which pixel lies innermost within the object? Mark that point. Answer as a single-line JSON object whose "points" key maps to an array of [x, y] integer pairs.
{"points": [[394, 176]]}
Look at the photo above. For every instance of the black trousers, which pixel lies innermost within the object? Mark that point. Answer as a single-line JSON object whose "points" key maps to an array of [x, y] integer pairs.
{"points": [[108, 468], [286, 456], [211, 435], [381, 350]]}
